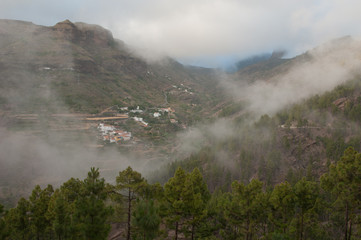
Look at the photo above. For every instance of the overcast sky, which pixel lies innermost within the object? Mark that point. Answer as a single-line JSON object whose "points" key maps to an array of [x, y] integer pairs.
{"points": [[207, 32]]}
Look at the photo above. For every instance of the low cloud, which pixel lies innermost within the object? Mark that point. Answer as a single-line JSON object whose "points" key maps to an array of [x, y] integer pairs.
{"points": [[204, 29], [326, 67], [321, 70]]}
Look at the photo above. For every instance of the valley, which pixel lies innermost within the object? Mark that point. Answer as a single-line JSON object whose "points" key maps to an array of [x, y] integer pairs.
{"points": [[72, 97], [62, 84], [177, 120]]}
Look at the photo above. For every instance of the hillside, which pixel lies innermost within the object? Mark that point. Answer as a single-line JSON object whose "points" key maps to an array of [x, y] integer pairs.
{"points": [[276, 119], [58, 83], [300, 117], [81, 67]]}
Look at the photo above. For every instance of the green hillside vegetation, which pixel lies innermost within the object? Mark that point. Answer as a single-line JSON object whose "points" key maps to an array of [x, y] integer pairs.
{"points": [[294, 174], [302, 140], [324, 208], [80, 68]]}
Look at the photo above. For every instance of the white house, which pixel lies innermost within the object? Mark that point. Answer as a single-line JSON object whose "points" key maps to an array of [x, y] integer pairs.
{"points": [[137, 119], [138, 110]]}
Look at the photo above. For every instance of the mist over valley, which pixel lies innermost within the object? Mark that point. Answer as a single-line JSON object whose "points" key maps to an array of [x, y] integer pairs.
{"points": [[74, 100]]}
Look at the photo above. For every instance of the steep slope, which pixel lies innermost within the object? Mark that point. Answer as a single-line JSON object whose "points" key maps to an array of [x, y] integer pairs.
{"points": [[81, 66], [52, 79], [276, 121], [292, 120]]}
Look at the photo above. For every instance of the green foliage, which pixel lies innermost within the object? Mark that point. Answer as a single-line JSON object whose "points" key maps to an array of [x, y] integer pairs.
{"points": [[146, 220], [39, 202], [306, 194], [18, 221], [175, 205], [91, 213], [186, 197], [282, 202], [247, 209], [195, 195], [130, 184], [343, 182], [78, 209], [231, 109], [3, 229], [60, 213]]}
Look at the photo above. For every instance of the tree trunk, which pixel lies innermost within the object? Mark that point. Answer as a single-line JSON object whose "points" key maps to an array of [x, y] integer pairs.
{"points": [[346, 222], [349, 231], [129, 212], [192, 231], [176, 230], [247, 228], [301, 225]]}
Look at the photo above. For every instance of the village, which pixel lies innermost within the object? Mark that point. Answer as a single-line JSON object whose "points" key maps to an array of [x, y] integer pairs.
{"points": [[110, 131]]}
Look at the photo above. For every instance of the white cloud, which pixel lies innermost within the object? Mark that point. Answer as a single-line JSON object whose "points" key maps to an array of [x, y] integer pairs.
{"points": [[204, 28], [331, 64]]}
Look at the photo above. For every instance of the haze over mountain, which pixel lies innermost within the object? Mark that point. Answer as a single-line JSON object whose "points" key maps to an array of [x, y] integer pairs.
{"points": [[160, 119], [55, 78], [200, 32]]}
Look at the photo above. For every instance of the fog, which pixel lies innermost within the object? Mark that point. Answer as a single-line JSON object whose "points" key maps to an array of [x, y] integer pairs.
{"points": [[203, 29], [325, 67], [314, 73], [44, 155], [42, 141]]}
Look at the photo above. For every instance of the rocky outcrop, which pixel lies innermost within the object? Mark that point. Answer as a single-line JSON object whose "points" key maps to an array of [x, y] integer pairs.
{"points": [[341, 103], [94, 34], [67, 30], [83, 33]]}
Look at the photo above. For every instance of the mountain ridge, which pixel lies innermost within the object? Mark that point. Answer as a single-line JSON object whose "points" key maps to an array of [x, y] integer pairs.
{"points": [[81, 53], [250, 130]]}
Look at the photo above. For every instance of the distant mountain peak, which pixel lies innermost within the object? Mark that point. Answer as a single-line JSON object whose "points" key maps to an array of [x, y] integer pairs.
{"points": [[67, 30], [82, 32], [64, 25], [278, 54]]}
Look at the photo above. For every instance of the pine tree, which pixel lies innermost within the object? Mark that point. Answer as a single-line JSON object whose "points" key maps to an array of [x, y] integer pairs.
{"points": [[146, 219], [175, 206], [306, 194], [60, 214], [282, 202], [3, 227], [195, 196], [66, 222], [130, 184], [343, 181], [39, 201], [246, 208], [91, 212], [18, 220]]}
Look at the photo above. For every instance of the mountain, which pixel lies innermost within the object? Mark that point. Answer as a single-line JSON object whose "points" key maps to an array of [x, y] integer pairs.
{"points": [[291, 118], [58, 83], [81, 67], [273, 119]]}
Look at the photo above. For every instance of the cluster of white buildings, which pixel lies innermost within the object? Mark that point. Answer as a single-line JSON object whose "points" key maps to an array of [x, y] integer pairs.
{"points": [[112, 134], [156, 114], [139, 119], [162, 110], [137, 110], [184, 89]]}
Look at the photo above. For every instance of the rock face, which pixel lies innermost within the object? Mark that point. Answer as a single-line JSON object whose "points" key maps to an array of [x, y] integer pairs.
{"points": [[95, 34], [341, 103], [67, 30], [83, 33]]}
